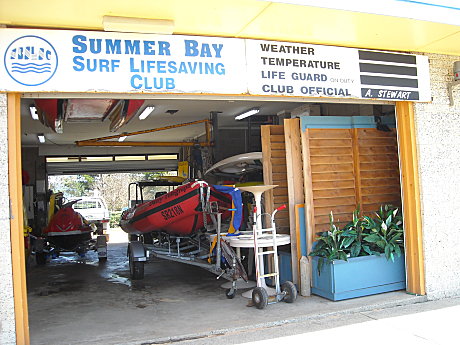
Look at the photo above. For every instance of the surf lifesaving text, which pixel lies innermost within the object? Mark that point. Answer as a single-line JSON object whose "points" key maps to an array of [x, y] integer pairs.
{"points": [[152, 64]]}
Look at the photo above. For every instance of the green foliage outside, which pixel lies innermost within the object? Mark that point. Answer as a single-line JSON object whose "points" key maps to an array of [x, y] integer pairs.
{"points": [[362, 236], [74, 186], [115, 219]]}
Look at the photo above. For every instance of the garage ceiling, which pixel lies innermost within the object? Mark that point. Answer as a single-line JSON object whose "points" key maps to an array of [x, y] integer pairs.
{"points": [[187, 111]]}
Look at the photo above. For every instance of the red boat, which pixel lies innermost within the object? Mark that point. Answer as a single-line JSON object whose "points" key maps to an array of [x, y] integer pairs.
{"points": [[179, 212]]}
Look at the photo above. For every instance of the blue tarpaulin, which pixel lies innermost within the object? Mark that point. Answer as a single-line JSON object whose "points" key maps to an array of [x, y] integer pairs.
{"points": [[235, 193]]}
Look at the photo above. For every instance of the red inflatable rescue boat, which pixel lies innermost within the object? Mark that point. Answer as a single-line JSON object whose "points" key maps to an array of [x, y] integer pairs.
{"points": [[179, 212]]}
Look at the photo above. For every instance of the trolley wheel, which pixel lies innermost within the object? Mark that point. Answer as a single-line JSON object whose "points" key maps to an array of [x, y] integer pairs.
{"points": [[136, 268], [260, 297], [40, 258], [230, 293], [290, 291]]}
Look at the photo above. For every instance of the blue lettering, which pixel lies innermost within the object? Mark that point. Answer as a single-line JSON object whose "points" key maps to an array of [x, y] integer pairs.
{"points": [[205, 50], [132, 47], [172, 68], [148, 48], [170, 83], [220, 68], [131, 66], [115, 65], [135, 78], [191, 48], [218, 49], [163, 48], [113, 46], [78, 64], [161, 66], [95, 45], [79, 46]]}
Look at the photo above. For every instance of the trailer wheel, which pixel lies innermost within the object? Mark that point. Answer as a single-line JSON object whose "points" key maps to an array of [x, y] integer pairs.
{"points": [[136, 268], [260, 297], [290, 291]]}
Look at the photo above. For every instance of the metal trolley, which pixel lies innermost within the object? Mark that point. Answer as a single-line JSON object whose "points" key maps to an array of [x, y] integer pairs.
{"points": [[261, 295]]}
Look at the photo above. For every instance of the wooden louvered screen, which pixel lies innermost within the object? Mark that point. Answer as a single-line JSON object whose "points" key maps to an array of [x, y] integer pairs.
{"points": [[332, 175], [274, 158], [379, 181], [349, 167]]}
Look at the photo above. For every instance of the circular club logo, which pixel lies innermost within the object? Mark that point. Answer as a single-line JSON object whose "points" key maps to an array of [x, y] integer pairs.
{"points": [[31, 60]]}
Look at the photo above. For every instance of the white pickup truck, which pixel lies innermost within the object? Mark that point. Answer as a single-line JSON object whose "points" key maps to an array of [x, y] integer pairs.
{"points": [[94, 210]]}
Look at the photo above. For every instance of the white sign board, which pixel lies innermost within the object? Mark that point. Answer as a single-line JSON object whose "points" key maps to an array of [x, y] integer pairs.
{"points": [[90, 61], [70, 61], [292, 69]]}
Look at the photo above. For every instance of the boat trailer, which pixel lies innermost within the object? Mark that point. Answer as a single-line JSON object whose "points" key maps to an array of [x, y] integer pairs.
{"points": [[191, 250]]}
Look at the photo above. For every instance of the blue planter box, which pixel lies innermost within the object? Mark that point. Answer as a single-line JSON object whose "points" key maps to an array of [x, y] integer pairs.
{"points": [[357, 277]]}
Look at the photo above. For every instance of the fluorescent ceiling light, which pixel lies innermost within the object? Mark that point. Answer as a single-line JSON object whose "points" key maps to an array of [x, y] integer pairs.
{"points": [[41, 138], [140, 25], [33, 112], [146, 112], [120, 139], [247, 113]]}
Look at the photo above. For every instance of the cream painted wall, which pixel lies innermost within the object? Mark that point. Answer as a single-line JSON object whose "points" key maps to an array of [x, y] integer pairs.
{"points": [[7, 322], [438, 144]]}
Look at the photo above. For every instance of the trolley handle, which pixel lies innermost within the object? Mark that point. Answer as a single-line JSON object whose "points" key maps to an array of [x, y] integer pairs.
{"points": [[282, 207]]}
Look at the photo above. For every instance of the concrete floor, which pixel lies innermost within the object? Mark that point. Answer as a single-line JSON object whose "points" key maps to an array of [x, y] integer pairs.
{"points": [[83, 302]]}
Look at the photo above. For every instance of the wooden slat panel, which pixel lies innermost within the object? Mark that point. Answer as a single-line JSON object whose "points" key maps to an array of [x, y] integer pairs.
{"points": [[321, 168], [279, 161], [278, 178], [277, 130], [378, 158], [280, 191], [278, 138], [338, 218], [277, 146], [321, 202], [378, 174], [386, 181], [333, 184], [325, 227], [377, 142], [279, 169], [378, 189], [378, 150], [332, 159], [316, 177], [330, 152], [336, 209], [330, 142], [374, 133], [330, 134], [333, 193], [278, 154], [379, 166], [380, 198]]}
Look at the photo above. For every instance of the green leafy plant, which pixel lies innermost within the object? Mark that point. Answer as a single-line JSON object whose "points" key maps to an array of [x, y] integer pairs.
{"points": [[385, 232], [361, 237], [333, 244]]}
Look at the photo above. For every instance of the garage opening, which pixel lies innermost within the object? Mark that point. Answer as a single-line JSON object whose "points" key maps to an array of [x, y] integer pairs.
{"points": [[109, 301]]}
